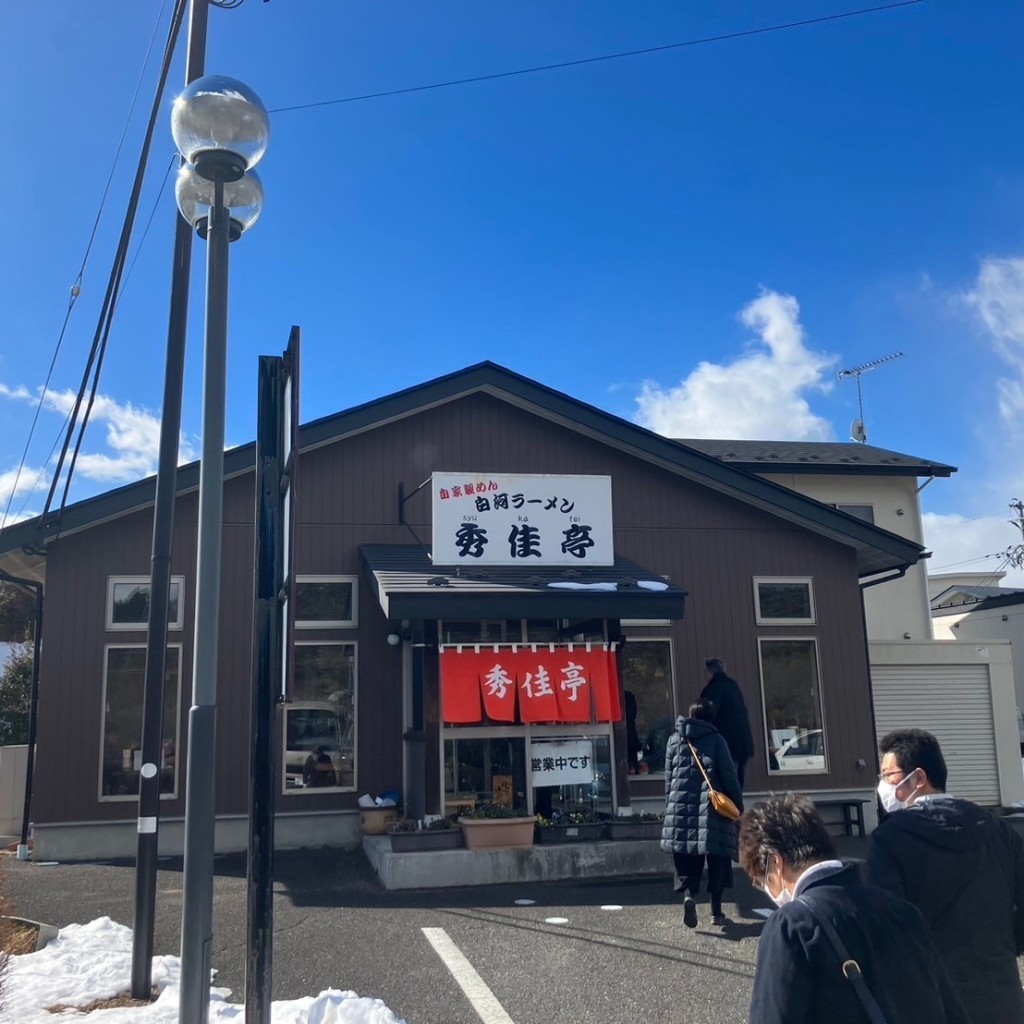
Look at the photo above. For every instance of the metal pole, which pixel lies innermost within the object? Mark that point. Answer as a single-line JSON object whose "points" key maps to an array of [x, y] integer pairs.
{"points": [[266, 668], [200, 811], [160, 572], [33, 713]]}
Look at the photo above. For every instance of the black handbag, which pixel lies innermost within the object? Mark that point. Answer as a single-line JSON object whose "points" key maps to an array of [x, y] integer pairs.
{"points": [[850, 968]]}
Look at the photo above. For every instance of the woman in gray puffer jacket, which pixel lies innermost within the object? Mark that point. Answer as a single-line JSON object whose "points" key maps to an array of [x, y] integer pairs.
{"points": [[693, 830]]}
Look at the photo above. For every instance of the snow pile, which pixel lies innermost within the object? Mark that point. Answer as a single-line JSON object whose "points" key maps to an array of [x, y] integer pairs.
{"points": [[94, 961]]}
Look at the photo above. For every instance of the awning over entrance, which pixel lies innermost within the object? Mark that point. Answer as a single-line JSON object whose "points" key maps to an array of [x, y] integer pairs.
{"points": [[409, 586]]}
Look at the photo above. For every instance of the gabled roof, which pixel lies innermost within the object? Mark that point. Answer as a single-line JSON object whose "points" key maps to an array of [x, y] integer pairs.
{"points": [[817, 457], [877, 550]]}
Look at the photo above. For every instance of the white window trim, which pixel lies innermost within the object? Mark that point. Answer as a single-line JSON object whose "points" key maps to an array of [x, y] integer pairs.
{"points": [[330, 623], [809, 580], [778, 773], [326, 790], [127, 627], [134, 797]]}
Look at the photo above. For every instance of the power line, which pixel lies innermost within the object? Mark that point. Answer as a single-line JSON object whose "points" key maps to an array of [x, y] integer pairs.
{"points": [[106, 317], [76, 287], [603, 57]]}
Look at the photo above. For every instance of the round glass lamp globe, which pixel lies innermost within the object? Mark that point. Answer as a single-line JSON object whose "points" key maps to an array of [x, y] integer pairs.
{"points": [[243, 198], [219, 115]]}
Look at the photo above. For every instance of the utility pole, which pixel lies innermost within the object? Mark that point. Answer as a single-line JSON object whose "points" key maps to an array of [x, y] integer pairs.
{"points": [[1015, 553], [160, 578]]}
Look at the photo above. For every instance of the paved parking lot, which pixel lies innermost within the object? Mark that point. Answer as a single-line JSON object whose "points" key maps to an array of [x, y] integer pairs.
{"points": [[336, 927]]}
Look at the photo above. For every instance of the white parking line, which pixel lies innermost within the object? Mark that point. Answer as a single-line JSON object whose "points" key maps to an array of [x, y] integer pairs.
{"points": [[481, 998]]}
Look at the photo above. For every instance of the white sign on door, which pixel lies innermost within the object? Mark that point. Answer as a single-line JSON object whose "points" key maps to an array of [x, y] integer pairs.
{"points": [[506, 519], [561, 762]]}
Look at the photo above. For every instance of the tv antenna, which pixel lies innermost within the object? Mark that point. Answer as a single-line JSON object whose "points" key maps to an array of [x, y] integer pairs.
{"points": [[857, 431]]}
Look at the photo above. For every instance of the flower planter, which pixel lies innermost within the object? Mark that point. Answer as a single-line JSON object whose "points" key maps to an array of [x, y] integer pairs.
{"points": [[627, 829], [587, 832], [494, 833], [426, 839]]}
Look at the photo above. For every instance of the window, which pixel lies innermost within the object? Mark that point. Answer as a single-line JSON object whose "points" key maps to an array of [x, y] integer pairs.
{"points": [[326, 602], [124, 674], [498, 769], [319, 722], [865, 512], [785, 601], [128, 602], [647, 684], [792, 705]]}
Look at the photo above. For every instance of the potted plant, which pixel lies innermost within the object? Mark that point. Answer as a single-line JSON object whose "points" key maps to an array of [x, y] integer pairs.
{"points": [[643, 825], [407, 837], [494, 825], [569, 827]]}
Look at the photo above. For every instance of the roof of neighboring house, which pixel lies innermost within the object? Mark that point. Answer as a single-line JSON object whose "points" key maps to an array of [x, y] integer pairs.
{"points": [[22, 546], [817, 457], [974, 598]]}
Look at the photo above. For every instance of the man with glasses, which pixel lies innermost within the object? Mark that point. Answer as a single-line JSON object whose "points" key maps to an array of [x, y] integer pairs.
{"points": [[960, 866], [802, 977]]}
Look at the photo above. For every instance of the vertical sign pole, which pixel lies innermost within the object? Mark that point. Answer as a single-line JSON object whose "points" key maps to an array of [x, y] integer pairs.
{"points": [[266, 662]]}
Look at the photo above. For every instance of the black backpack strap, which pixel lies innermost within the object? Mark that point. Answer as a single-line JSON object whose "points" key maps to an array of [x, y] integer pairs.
{"points": [[850, 968]]}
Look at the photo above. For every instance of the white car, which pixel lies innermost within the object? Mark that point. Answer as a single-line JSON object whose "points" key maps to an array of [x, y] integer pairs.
{"points": [[805, 752]]}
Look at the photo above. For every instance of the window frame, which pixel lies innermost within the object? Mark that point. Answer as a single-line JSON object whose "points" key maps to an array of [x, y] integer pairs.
{"points": [[760, 620], [846, 508], [352, 623], [674, 710], [127, 627], [526, 733], [323, 790], [778, 772], [123, 797]]}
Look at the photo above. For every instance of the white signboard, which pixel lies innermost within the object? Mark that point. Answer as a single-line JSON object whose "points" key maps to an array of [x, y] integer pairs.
{"points": [[561, 762], [506, 519]]}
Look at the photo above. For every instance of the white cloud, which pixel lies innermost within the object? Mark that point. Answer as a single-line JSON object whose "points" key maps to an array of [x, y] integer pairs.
{"points": [[959, 544], [132, 440], [14, 484], [997, 300], [759, 394]]}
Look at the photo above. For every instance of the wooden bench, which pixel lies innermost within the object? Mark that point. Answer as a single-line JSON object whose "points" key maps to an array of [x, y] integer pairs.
{"points": [[853, 813]]}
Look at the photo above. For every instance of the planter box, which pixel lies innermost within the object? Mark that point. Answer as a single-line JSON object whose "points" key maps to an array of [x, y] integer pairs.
{"points": [[627, 829], [494, 833], [437, 839], [588, 832]]}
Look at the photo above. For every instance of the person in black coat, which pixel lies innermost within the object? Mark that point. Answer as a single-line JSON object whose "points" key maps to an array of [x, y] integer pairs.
{"points": [[693, 830], [799, 978], [731, 718], [960, 866]]}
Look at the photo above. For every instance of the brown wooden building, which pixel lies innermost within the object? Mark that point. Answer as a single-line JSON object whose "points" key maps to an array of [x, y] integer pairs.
{"points": [[709, 560]]}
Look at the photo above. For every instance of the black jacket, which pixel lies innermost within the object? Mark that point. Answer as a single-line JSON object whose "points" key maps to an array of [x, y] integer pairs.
{"points": [[731, 718], [691, 824], [799, 977], [964, 870]]}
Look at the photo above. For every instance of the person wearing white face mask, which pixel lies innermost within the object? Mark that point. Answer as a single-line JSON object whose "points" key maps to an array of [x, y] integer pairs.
{"points": [[960, 866], [827, 918]]}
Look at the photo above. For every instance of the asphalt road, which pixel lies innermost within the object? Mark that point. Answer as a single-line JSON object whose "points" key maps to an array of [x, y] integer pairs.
{"points": [[334, 926]]}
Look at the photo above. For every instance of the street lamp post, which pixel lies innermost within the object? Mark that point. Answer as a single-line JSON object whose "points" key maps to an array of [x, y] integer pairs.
{"points": [[221, 129]]}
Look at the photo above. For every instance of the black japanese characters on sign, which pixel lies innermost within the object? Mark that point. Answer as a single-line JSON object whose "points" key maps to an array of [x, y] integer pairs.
{"points": [[557, 764], [508, 519]]}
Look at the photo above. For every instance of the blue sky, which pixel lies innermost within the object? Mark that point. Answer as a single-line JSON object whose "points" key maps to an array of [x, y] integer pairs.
{"points": [[697, 239]]}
